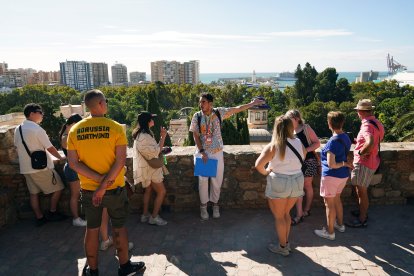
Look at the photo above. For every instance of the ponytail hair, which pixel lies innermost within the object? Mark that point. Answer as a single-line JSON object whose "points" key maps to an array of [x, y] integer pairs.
{"points": [[282, 130]]}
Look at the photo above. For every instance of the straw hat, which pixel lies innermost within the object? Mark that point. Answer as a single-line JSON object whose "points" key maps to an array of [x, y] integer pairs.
{"points": [[364, 104]]}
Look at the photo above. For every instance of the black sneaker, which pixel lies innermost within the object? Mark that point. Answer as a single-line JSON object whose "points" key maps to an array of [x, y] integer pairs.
{"points": [[131, 268], [55, 216], [88, 272], [40, 222], [356, 223], [356, 213]]}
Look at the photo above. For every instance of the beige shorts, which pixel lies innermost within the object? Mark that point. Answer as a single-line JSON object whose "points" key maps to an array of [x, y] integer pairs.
{"points": [[47, 182]]}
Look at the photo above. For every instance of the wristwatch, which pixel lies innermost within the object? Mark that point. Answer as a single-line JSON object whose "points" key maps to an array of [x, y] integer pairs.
{"points": [[201, 150]]}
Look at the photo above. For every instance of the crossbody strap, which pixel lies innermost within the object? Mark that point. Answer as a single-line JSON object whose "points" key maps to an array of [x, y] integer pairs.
{"points": [[24, 143], [295, 152]]}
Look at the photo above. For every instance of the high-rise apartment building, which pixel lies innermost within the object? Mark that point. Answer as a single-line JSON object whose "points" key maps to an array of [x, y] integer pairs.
{"points": [[137, 77], [3, 68], [192, 72], [100, 74], [175, 72], [13, 78], [76, 74], [43, 77], [119, 74]]}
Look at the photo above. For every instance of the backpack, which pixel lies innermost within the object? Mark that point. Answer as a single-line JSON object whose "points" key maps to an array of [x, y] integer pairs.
{"points": [[215, 110]]}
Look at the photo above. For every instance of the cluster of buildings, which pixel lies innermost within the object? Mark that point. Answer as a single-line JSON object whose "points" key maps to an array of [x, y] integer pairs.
{"points": [[13, 78], [82, 75]]}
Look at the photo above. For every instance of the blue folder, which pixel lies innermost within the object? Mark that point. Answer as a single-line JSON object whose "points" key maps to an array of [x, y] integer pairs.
{"points": [[208, 169]]}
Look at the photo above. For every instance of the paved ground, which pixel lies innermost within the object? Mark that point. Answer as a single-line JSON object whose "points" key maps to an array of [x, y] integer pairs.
{"points": [[232, 245]]}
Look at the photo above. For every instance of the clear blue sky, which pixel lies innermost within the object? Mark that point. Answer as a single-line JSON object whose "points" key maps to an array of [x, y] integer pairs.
{"points": [[225, 35]]}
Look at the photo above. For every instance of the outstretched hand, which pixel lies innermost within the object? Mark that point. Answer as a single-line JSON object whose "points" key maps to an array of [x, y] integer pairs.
{"points": [[257, 101], [163, 132]]}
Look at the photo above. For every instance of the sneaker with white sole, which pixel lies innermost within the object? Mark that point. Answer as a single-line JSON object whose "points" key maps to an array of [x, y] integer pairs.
{"points": [[216, 211], [284, 251], [106, 244], [157, 221], [145, 218], [78, 222], [203, 213], [340, 228], [324, 234]]}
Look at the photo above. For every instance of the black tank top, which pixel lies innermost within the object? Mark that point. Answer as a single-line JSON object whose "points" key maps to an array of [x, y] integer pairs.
{"points": [[302, 137]]}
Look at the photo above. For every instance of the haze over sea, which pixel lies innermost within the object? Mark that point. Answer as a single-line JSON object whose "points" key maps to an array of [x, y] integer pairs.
{"points": [[209, 77]]}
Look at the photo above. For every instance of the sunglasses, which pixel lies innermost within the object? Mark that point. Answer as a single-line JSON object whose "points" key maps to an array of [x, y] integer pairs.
{"points": [[38, 111]]}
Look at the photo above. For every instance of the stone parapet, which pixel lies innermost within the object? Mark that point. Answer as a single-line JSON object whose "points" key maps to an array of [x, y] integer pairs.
{"points": [[243, 186]]}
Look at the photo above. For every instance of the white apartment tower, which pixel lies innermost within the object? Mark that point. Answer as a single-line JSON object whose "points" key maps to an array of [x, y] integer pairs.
{"points": [[192, 72], [100, 74], [76, 74], [137, 77], [175, 72], [119, 74]]}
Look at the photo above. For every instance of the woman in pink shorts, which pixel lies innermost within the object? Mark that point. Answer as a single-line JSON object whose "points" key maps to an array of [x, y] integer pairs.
{"points": [[335, 173]]}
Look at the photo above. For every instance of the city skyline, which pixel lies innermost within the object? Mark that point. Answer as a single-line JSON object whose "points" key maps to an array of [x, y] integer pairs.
{"points": [[226, 36]]}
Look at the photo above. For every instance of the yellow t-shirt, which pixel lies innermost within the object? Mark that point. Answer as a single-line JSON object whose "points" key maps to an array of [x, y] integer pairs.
{"points": [[95, 139]]}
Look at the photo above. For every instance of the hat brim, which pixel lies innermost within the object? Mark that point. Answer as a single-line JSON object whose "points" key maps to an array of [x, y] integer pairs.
{"points": [[364, 108]]}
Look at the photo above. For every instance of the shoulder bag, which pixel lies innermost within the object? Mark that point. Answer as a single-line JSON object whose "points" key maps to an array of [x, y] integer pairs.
{"points": [[38, 157]]}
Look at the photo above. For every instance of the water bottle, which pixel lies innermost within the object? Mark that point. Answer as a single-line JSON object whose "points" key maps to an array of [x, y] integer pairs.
{"points": [[165, 160]]}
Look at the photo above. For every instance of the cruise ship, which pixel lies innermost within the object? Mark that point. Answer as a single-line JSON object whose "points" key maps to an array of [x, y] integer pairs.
{"points": [[286, 76]]}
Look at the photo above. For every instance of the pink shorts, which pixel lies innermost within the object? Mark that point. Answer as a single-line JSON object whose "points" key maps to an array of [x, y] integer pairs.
{"points": [[332, 186]]}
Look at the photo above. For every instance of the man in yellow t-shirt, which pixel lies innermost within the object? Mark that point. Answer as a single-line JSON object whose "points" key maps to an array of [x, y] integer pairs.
{"points": [[97, 152]]}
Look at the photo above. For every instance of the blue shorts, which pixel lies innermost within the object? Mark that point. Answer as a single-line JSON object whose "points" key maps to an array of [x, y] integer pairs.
{"points": [[70, 175], [284, 186]]}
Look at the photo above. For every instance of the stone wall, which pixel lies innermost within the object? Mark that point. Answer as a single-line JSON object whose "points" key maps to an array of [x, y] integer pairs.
{"points": [[243, 186]]}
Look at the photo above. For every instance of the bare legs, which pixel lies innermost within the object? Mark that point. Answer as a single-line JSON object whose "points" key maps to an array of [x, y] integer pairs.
{"points": [[334, 211], [280, 209], [160, 191], [34, 203], [308, 195], [363, 201], [74, 198], [104, 225]]}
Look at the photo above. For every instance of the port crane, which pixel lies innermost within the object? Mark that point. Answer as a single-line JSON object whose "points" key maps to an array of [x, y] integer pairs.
{"points": [[394, 66]]}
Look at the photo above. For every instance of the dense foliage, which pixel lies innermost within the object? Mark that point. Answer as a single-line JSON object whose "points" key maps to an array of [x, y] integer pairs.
{"points": [[314, 94]]}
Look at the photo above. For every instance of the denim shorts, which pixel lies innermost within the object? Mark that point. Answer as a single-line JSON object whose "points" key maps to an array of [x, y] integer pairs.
{"points": [[284, 186], [70, 175]]}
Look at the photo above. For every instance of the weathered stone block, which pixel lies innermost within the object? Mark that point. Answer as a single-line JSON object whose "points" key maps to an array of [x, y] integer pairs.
{"points": [[376, 179], [249, 185], [250, 195], [377, 192], [393, 194]]}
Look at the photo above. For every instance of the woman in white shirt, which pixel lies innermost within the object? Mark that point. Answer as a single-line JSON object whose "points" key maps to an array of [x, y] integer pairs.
{"points": [[146, 148], [284, 156]]}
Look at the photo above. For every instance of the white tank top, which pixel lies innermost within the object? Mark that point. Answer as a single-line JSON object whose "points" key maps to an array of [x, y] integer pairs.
{"points": [[290, 164]]}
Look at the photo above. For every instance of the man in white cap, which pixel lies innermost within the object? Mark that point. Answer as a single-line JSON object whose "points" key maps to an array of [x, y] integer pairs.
{"points": [[366, 159]]}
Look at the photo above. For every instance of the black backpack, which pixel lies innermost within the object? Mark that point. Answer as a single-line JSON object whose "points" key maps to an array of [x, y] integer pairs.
{"points": [[215, 110]]}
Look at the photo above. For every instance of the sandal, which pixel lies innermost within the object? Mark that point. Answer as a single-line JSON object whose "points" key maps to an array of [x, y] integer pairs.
{"points": [[306, 213], [296, 221]]}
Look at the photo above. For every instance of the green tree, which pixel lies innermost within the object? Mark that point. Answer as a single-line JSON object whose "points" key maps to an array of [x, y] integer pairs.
{"points": [[324, 89], [153, 107]]}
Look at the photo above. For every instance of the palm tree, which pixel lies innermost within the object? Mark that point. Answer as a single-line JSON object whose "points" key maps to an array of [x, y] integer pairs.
{"points": [[405, 121]]}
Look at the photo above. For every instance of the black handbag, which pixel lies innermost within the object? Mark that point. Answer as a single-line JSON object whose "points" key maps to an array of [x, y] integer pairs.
{"points": [[38, 157]]}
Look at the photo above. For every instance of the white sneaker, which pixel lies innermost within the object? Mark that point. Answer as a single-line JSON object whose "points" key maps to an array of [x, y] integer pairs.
{"points": [[106, 244], [324, 234], [278, 249], [145, 218], [216, 211], [79, 222], [203, 212], [157, 221], [340, 228]]}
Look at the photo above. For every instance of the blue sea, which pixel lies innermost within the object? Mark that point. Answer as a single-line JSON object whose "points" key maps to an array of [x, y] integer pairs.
{"points": [[209, 77]]}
